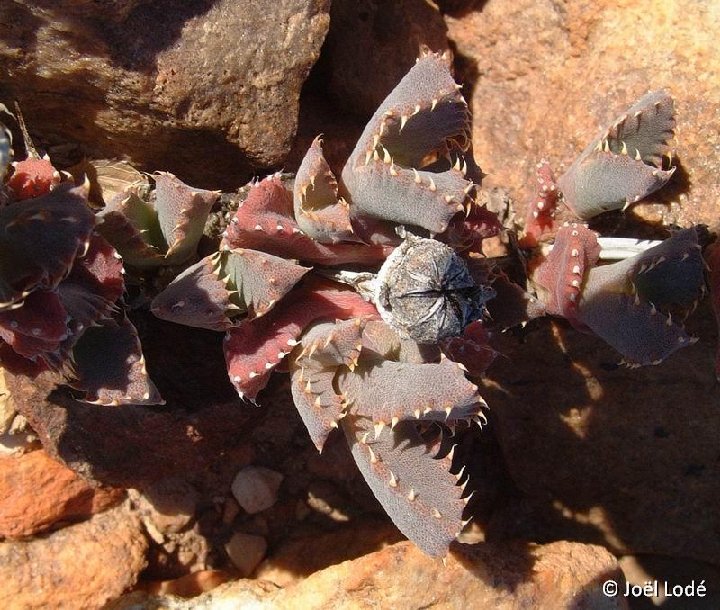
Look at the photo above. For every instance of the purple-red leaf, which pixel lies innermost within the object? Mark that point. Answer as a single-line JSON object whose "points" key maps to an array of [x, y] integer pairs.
{"points": [[264, 221], [255, 347], [111, 368], [40, 240]]}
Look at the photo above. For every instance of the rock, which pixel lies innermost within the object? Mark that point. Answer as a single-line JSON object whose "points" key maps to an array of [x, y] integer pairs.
{"points": [[559, 575], [36, 492], [172, 555], [167, 506], [622, 457], [190, 585], [371, 45], [255, 488], [80, 566], [178, 86], [525, 68], [641, 569], [246, 551], [291, 562]]}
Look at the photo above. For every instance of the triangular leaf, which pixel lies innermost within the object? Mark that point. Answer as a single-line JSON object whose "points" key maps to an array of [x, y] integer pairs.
{"points": [[111, 368], [318, 211], [325, 348], [416, 489], [40, 240], [182, 211], [256, 347], [259, 279], [197, 297], [264, 222]]}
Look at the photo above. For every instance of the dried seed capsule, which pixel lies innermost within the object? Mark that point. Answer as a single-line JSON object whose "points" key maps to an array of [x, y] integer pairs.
{"points": [[425, 291]]}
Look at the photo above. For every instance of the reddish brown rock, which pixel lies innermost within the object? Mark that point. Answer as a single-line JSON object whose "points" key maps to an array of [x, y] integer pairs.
{"points": [[207, 90], [623, 457], [371, 45], [506, 577], [291, 562], [545, 77], [190, 585], [79, 566], [36, 492]]}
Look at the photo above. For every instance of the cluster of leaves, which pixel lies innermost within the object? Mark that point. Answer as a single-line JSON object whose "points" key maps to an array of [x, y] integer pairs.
{"points": [[387, 362], [60, 284], [371, 290]]}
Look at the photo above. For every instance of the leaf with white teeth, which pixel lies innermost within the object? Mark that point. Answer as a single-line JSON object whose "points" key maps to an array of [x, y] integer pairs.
{"points": [[634, 328], [197, 297], [385, 391], [40, 240], [326, 348], [255, 347], [164, 230], [215, 291], [629, 304], [318, 211], [264, 221], [182, 211], [624, 164], [111, 368], [399, 170], [604, 181], [416, 489], [409, 197], [645, 129]]}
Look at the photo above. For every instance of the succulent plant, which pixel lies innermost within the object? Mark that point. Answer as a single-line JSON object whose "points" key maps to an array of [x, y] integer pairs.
{"points": [[368, 360], [60, 282], [158, 228], [636, 304]]}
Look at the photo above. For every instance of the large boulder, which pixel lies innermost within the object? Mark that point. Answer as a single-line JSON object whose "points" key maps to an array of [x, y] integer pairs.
{"points": [[208, 90]]}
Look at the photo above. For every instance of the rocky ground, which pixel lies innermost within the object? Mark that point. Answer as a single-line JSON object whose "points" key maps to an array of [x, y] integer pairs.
{"points": [[586, 472]]}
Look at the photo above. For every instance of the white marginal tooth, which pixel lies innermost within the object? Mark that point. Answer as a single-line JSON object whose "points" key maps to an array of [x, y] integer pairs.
{"points": [[624, 149], [436, 513], [379, 428], [433, 104], [432, 186], [417, 413], [393, 481], [368, 156], [637, 155], [373, 457], [394, 422], [403, 120], [418, 179], [376, 156], [253, 374], [387, 159], [576, 269], [411, 495], [417, 108], [292, 342]]}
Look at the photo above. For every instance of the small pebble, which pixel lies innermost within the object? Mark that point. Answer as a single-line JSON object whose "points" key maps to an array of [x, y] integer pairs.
{"points": [[246, 552], [256, 488]]}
